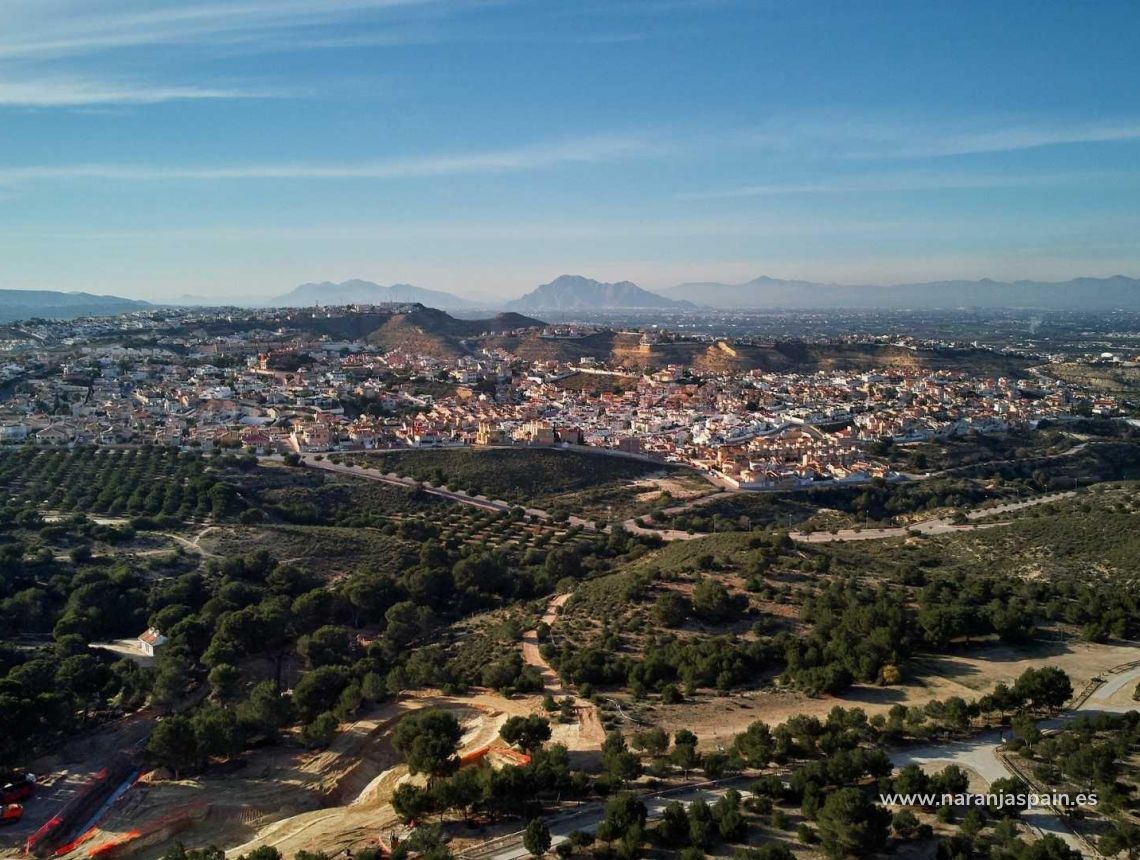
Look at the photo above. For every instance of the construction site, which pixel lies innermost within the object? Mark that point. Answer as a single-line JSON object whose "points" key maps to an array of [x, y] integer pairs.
{"points": [[95, 799], [286, 797]]}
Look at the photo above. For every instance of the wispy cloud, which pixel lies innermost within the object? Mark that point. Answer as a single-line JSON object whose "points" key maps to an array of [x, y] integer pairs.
{"points": [[508, 232], [904, 181], [55, 28], [52, 93], [895, 137], [1007, 137], [580, 151]]}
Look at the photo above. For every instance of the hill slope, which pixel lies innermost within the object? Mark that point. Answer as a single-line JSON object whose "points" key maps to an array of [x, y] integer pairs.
{"points": [[24, 304], [628, 350], [429, 331], [574, 292], [764, 292]]}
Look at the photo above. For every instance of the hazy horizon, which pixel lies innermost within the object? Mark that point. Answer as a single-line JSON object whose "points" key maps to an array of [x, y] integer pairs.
{"points": [[156, 149], [488, 299]]}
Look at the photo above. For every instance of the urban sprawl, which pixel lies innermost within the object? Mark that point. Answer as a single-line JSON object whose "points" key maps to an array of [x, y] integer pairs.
{"points": [[274, 388]]}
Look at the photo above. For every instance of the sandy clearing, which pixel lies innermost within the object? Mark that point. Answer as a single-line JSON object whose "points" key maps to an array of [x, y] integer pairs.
{"points": [[366, 816], [717, 719], [679, 489]]}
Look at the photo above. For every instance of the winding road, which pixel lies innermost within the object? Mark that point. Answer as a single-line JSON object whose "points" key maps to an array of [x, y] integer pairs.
{"points": [[590, 724], [532, 656], [980, 753], [589, 817], [937, 526]]}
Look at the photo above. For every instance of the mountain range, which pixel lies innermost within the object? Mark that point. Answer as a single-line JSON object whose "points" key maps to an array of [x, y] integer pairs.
{"points": [[574, 292], [570, 293], [48, 304], [356, 291], [1094, 294]]}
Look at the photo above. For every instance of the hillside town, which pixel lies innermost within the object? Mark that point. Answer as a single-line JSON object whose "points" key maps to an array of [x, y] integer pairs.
{"points": [[203, 380]]}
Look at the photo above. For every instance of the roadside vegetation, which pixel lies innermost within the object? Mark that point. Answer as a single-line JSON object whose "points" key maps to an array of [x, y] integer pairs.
{"points": [[565, 481], [296, 603]]}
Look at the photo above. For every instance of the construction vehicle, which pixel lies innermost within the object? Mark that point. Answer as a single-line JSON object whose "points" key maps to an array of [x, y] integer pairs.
{"points": [[11, 813], [18, 790]]}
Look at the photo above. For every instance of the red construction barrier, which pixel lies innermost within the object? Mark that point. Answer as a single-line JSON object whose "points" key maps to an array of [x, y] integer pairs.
{"points": [[108, 849], [68, 847], [150, 834], [474, 755], [481, 753], [519, 758], [39, 840]]}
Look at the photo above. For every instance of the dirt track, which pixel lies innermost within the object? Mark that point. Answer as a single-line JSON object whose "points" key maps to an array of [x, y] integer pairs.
{"points": [[532, 656], [589, 733]]}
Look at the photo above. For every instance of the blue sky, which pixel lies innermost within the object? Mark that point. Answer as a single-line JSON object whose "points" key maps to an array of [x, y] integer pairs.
{"points": [[154, 148]]}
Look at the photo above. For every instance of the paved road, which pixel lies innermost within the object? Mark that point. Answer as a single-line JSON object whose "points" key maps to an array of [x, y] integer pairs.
{"points": [[589, 817], [980, 752], [937, 526], [632, 527], [923, 476]]}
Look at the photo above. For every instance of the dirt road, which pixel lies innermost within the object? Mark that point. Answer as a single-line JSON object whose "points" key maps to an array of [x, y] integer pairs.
{"points": [[532, 656], [937, 526], [589, 733], [295, 799], [364, 817]]}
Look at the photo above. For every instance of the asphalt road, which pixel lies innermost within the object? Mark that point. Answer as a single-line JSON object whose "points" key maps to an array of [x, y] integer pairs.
{"points": [[589, 817], [980, 753], [937, 526]]}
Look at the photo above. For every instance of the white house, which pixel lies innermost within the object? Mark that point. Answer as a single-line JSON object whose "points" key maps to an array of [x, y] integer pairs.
{"points": [[150, 641]]}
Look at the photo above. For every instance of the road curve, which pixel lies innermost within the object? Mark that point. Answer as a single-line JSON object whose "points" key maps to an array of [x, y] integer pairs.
{"points": [[980, 754], [937, 526]]}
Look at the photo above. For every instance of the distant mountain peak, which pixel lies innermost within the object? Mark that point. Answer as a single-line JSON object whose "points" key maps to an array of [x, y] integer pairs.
{"points": [[577, 292]]}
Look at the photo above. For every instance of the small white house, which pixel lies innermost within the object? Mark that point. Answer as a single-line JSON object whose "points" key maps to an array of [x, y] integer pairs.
{"points": [[150, 641]]}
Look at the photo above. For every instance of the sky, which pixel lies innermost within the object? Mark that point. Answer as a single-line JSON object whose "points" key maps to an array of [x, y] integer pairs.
{"points": [[237, 148]]}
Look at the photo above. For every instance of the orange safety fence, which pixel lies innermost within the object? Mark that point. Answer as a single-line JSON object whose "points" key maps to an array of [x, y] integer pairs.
{"points": [[68, 847], [517, 757], [161, 828], [475, 755], [482, 752], [89, 834], [108, 848], [49, 827]]}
